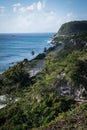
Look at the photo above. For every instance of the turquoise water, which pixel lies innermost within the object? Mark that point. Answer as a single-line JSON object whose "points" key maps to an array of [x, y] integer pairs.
{"points": [[16, 47]]}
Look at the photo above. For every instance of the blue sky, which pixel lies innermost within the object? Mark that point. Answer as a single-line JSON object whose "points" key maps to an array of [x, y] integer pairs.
{"points": [[23, 16]]}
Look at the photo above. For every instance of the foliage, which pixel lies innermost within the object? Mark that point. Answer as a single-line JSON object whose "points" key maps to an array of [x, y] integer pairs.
{"points": [[22, 115], [40, 100], [75, 119], [14, 79], [74, 27]]}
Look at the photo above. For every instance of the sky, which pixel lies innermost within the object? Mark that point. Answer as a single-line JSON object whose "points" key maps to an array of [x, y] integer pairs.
{"points": [[31, 16]]}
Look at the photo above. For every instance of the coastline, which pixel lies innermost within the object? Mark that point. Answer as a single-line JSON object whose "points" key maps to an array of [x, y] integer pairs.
{"points": [[36, 64], [21, 47]]}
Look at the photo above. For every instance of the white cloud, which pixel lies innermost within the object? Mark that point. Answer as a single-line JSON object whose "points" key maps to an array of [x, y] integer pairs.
{"points": [[35, 18], [38, 6], [27, 8], [15, 7], [31, 7], [2, 10], [34, 22], [42, 21], [69, 15]]}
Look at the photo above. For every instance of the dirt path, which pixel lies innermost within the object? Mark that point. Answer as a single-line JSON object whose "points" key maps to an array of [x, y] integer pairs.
{"points": [[38, 67], [40, 63]]}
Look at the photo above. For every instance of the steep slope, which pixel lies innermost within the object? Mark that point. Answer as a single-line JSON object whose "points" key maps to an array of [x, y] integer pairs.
{"points": [[73, 28], [52, 97], [75, 119]]}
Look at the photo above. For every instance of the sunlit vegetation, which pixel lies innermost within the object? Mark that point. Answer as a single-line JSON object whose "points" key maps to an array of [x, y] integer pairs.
{"points": [[41, 104], [75, 119]]}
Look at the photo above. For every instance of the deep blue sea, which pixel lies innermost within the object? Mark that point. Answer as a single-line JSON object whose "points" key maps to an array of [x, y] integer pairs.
{"points": [[16, 47]]}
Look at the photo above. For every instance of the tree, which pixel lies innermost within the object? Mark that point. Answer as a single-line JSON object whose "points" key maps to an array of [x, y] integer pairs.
{"points": [[45, 49], [33, 53]]}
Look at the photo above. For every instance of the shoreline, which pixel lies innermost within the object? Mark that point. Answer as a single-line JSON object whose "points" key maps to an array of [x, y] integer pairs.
{"points": [[22, 48], [36, 64], [11, 64]]}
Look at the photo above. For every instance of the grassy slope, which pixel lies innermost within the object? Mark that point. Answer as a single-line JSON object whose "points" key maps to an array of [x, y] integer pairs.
{"points": [[75, 119], [40, 102]]}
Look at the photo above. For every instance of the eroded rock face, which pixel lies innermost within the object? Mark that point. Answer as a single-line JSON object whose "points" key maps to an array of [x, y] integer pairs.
{"points": [[80, 93], [66, 89]]}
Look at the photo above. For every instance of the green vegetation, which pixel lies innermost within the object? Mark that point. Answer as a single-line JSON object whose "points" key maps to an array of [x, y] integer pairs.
{"points": [[40, 56], [75, 119], [48, 100], [24, 115], [74, 27], [14, 81]]}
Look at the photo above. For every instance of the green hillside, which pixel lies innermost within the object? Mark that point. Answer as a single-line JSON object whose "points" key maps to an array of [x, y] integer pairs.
{"points": [[53, 99], [73, 27], [75, 119]]}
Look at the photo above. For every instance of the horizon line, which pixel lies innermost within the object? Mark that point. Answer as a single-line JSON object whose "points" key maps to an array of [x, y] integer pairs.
{"points": [[24, 32]]}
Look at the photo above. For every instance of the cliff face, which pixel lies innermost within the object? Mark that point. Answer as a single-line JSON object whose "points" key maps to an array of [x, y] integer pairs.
{"points": [[73, 27]]}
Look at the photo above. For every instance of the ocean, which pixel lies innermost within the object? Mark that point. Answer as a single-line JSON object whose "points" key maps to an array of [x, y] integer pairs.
{"points": [[16, 47]]}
